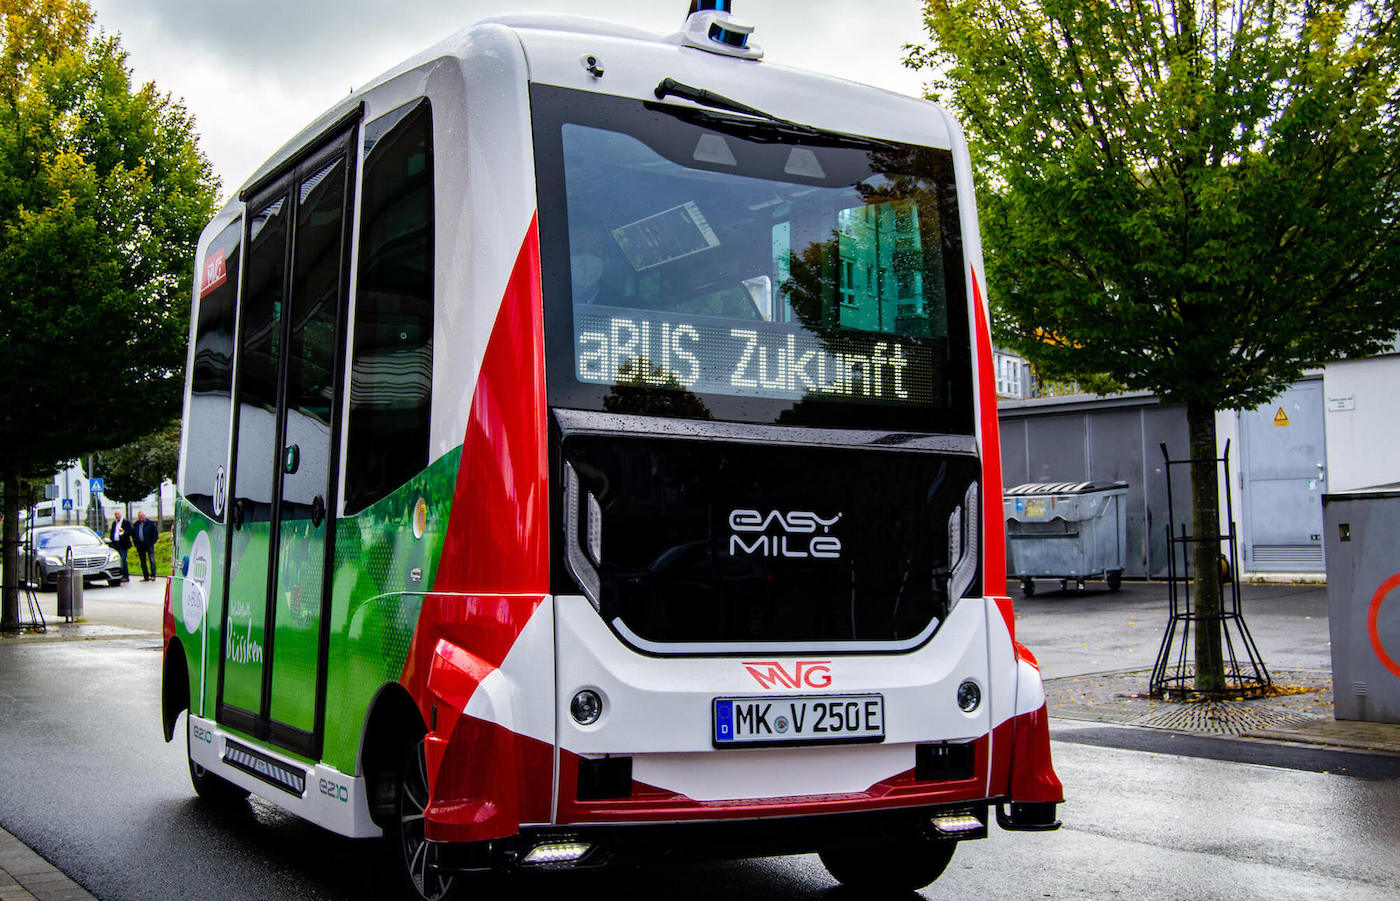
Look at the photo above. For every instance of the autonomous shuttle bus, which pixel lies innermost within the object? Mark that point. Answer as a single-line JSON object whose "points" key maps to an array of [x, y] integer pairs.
{"points": [[590, 453]]}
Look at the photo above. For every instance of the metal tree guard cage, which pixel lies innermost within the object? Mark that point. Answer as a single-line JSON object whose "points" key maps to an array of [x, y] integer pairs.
{"points": [[35, 622], [1174, 674]]}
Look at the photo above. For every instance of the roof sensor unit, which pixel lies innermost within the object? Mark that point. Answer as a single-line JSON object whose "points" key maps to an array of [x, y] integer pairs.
{"points": [[710, 27]]}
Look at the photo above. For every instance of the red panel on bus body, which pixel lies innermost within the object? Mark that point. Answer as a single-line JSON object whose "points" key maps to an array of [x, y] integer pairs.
{"points": [[993, 525], [492, 576], [648, 803], [1026, 740], [497, 536]]}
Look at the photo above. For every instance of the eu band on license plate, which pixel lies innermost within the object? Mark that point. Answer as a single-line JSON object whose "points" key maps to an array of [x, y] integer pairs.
{"points": [[799, 719]]}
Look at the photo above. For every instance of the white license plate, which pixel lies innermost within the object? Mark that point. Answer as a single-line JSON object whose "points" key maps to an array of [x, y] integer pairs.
{"points": [[801, 719]]}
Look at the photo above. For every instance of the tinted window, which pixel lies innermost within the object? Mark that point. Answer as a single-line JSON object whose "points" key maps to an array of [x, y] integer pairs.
{"points": [[392, 358], [211, 380], [706, 266], [261, 350]]}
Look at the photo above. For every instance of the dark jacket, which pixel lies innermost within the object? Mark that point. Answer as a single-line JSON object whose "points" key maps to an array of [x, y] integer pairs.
{"points": [[122, 539], [144, 533]]}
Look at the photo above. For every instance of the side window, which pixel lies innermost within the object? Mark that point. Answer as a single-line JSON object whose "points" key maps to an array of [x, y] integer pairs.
{"points": [[211, 381], [391, 368]]}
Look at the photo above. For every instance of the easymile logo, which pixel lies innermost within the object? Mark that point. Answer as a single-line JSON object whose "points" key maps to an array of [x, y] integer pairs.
{"points": [[795, 534]]}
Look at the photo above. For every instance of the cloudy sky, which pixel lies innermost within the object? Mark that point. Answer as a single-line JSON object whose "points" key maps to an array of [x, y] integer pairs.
{"points": [[255, 71]]}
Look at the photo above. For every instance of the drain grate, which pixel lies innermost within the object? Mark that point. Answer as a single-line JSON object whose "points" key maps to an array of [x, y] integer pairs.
{"points": [[1222, 717]]}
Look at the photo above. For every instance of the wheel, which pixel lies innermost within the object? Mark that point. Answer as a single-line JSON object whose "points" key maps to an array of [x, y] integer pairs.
{"points": [[901, 868], [413, 853], [1115, 579], [113, 583], [210, 787], [1027, 587]]}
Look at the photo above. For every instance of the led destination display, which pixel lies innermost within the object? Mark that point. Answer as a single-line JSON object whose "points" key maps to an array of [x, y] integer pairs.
{"points": [[753, 358]]}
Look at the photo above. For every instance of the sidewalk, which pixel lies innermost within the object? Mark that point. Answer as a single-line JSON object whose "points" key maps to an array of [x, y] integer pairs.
{"points": [[25, 876], [130, 610], [1301, 711]]}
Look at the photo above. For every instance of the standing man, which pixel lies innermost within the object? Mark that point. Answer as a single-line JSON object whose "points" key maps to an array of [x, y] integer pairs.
{"points": [[119, 537], [144, 537]]}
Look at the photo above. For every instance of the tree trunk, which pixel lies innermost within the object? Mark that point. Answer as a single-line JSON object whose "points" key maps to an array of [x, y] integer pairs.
{"points": [[9, 591], [1205, 550]]}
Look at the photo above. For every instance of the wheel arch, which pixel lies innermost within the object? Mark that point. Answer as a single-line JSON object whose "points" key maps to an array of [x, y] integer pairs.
{"points": [[174, 686], [393, 723]]}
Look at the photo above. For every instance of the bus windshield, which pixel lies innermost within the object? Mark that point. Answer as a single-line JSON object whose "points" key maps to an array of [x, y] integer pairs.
{"points": [[713, 267]]}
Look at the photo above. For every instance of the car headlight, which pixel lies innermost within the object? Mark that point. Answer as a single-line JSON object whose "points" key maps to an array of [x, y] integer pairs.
{"points": [[52, 560], [113, 556]]}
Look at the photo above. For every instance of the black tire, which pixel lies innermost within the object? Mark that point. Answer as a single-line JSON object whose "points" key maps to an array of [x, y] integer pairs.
{"points": [[113, 583], [1115, 579], [1027, 587], [412, 853], [901, 868], [212, 788]]}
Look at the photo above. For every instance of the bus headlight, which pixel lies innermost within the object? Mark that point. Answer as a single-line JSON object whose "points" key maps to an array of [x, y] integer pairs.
{"points": [[969, 696], [586, 707]]}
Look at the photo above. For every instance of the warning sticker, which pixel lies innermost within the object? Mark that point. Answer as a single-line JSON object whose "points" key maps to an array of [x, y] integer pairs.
{"points": [[1280, 418]]}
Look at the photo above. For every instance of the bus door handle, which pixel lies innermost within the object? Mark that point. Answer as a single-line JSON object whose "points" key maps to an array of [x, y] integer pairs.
{"points": [[236, 514], [318, 511]]}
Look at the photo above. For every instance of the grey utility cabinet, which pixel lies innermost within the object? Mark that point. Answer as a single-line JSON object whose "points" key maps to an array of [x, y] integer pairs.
{"points": [[1069, 531], [1361, 537]]}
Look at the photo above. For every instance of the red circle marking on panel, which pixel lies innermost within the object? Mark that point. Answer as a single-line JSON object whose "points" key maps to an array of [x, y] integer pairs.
{"points": [[1373, 621]]}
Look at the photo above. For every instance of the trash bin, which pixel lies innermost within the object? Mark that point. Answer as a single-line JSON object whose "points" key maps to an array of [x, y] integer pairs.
{"points": [[70, 589], [1363, 602], [1069, 531]]}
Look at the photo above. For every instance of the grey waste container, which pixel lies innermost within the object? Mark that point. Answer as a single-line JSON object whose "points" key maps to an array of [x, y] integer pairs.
{"points": [[1363, 602], [70, 593], [1069, 531], [70, 589]]}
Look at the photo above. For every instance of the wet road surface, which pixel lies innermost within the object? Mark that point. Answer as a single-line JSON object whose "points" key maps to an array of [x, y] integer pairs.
{"points": [[86, 780]]}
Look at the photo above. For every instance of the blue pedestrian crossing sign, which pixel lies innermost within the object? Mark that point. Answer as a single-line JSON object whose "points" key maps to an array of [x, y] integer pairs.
{"points": [[95, 486], [68, 503]]}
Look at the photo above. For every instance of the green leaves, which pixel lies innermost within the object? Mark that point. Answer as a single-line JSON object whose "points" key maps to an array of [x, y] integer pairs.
{"points": [[136, 469], [1192, 198], [103, 192]]}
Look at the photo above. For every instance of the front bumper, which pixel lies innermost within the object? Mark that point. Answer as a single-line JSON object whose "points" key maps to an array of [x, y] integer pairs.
{"points": [[717, 840]]}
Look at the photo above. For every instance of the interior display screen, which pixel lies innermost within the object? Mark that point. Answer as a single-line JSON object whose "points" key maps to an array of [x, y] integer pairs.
{"points": [[713, 266], [779, 361]]}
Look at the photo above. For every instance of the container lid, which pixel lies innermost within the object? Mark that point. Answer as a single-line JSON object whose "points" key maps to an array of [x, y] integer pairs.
{"points": [[1062, 488], [1374, 491]]}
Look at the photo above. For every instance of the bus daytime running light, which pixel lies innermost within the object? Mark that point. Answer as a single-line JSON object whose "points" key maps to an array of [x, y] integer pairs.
{"points": [[586, 707], [956, 823], [556, 852]]}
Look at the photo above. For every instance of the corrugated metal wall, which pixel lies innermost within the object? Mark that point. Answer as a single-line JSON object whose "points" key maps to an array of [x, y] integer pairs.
{"points": [[1079, 439]]}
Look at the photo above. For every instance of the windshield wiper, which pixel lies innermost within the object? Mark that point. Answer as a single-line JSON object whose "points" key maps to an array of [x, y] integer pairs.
{"points": [[669, 87], [769, 129]]}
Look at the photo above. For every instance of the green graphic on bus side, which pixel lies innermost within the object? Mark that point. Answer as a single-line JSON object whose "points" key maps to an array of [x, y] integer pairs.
{"points": [[381, 572]]}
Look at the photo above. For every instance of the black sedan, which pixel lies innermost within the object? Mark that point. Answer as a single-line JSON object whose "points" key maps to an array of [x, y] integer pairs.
{"points": [[44, 557]]}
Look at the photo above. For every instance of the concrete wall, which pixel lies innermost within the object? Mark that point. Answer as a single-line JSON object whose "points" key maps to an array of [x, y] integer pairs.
{"points": [[1363, 422]]}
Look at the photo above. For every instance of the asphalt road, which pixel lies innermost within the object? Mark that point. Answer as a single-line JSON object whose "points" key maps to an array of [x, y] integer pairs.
{"points": [[86, 780], [1097, 630]]}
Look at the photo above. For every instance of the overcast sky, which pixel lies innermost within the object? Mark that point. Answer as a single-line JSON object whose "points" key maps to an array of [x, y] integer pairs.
{"points": [[254, 72]]}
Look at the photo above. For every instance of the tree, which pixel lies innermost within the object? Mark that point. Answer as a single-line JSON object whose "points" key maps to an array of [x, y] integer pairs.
{"points": [[136, 469], [1193, 198], [103, 191]]}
